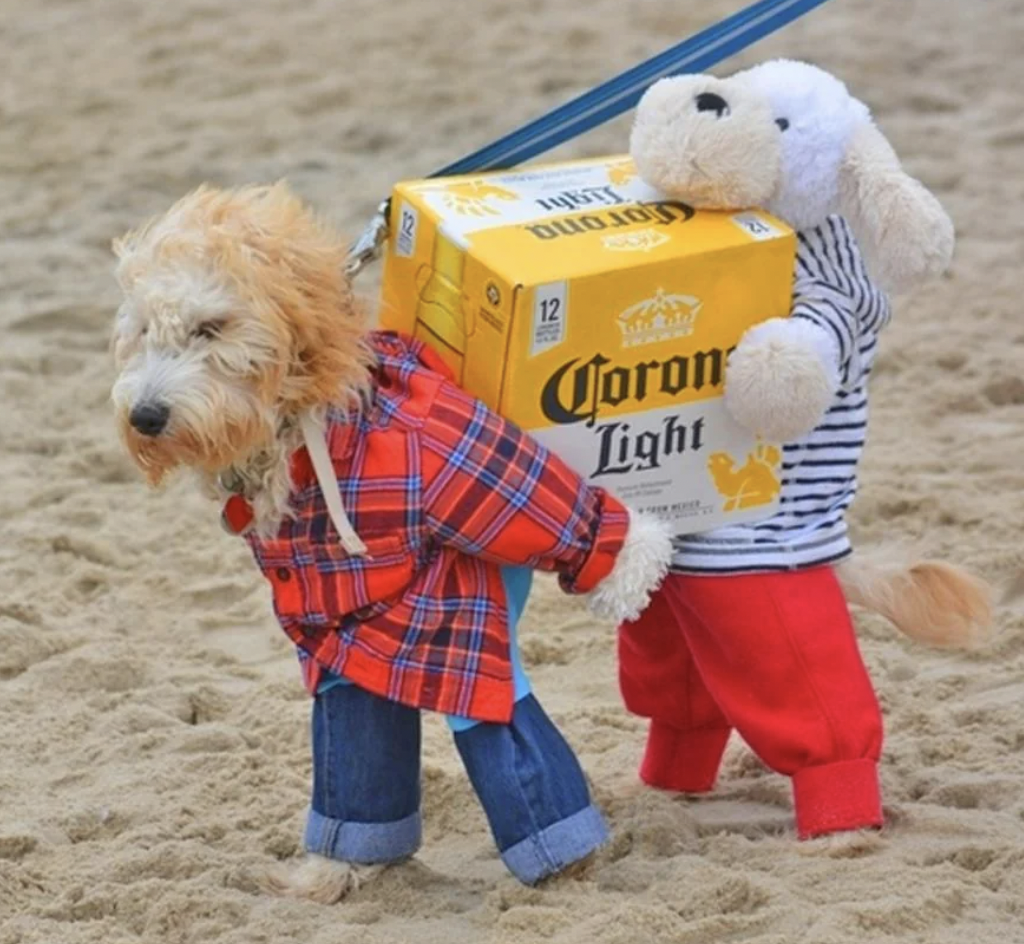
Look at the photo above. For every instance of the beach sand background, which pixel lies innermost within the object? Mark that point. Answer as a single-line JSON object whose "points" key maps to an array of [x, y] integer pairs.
{"points": [[153, 731]]}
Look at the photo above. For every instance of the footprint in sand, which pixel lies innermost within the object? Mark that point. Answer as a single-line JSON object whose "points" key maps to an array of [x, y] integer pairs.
{"points": [[990, 793]]}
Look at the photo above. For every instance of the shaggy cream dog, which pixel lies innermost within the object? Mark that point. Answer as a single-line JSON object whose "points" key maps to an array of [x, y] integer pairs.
{"points": [[239, 344]]}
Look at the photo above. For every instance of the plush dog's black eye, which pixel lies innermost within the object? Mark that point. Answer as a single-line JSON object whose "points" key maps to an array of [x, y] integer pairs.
{"points": [[783, 123], [208, 330], [709, 101]]}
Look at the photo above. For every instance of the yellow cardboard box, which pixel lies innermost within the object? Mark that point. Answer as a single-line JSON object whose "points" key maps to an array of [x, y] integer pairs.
{"points": [[588, 309]]}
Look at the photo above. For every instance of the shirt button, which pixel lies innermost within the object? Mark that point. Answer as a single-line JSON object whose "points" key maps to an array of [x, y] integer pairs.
{"points": [[284, 574]]}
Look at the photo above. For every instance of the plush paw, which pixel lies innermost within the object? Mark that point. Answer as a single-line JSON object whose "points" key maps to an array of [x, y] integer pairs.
{"points": [[782, 378], [318, 879], [638, 571]]}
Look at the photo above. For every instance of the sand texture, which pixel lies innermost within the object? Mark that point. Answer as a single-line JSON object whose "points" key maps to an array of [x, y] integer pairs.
{"points": [[153, 730]]}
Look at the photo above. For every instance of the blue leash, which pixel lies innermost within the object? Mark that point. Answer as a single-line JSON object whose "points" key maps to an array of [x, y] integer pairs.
{"points": [[606, 101]]}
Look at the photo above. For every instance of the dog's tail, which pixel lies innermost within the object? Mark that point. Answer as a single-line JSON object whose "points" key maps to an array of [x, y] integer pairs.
{"points": [[931, 602]]}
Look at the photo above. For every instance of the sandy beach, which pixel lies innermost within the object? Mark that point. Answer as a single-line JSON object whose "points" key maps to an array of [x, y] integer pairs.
{"points": [[153, 728]]}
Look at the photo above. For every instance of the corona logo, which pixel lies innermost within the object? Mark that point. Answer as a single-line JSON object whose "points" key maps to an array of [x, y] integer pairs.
{"points": [[578, 392], [660, 318]]}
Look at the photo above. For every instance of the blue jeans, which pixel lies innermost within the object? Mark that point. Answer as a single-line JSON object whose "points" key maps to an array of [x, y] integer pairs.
{"points": [[366, 783]]}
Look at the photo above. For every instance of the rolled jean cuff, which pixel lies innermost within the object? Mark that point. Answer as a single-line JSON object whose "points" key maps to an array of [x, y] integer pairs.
{"points": [[837, 797], [366, 843], [557, 846]]}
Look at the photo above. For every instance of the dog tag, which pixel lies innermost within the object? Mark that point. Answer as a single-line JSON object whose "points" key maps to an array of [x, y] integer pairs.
{"points": [[236, 516]]}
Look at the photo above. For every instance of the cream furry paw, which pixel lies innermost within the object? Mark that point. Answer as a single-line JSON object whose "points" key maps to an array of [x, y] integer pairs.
{"points": [[639, 570], [319, 879], [782, 378]]}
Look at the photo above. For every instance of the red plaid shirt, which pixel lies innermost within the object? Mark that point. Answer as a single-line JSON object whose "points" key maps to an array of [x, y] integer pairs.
{"points": [[443, 492]]}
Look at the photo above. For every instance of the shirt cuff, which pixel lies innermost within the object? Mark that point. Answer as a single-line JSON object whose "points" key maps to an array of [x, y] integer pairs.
{"points": [[610, 536]]}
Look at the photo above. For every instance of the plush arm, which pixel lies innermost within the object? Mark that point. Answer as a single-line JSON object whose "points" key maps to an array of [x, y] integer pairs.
{"points": [[493, 492], [785, 373]]}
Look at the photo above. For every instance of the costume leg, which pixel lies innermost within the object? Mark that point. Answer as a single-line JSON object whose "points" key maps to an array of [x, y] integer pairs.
{"points": [[533, 791], [660, 680], [517, 582], [779, 654], [366, 777], [528, 779]]}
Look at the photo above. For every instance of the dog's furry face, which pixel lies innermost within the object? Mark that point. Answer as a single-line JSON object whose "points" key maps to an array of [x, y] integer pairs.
{"points": [[237, 313]]}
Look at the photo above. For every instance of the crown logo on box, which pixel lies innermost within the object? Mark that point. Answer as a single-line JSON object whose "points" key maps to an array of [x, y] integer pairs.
{"points": [[659, 319]]}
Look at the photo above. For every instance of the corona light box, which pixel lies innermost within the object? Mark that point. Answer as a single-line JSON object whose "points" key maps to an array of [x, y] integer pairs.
{"points": [[593, 312]]}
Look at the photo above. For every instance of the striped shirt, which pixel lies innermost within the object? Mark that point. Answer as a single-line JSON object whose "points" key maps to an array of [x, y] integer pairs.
{"points": [[819, 472]]}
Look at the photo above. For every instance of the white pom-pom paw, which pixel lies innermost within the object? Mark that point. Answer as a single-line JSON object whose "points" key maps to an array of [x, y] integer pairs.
{"points": [[639, 570], [782, 378]]}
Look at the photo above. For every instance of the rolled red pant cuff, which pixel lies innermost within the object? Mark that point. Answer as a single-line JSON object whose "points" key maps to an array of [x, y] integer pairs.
{"points": [[837, 798], [683, 761]]}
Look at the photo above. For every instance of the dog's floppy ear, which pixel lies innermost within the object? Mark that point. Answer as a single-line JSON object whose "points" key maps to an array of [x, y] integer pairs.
{"points": [[298, 263], [905, 234], [330, 356]]}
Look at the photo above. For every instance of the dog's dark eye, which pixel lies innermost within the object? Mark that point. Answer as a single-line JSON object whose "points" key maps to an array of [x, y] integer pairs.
{"points": [[783, 123], [208, 330]]}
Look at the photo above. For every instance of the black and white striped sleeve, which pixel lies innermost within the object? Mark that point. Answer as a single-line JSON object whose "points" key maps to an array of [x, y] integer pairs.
{"points": [[835, 314]]}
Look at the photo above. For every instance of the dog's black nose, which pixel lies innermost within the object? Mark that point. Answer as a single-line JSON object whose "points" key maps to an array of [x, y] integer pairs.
{"points": [[150, 419], [709, 101]]}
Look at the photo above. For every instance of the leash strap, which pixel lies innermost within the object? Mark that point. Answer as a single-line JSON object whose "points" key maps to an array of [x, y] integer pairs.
{"points": [[606, 101], [621, 93]]}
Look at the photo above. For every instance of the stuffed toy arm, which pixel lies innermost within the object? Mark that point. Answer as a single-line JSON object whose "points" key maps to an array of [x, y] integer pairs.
{"points": [[492, 491], [637, 570], [784, 374]]}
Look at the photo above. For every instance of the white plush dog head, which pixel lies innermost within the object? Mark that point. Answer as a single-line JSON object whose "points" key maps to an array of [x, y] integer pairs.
{"points": [[789, 138], [237, 314]]}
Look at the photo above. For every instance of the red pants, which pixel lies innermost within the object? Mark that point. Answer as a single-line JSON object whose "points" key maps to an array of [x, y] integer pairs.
{"points": [[775, 657]]}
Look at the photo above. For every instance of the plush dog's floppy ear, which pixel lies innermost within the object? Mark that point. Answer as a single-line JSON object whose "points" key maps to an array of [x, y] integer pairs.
{"points": [[903, 231]]}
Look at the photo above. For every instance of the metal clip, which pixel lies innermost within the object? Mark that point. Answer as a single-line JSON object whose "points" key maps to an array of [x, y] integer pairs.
{"points": [[368, 246]]}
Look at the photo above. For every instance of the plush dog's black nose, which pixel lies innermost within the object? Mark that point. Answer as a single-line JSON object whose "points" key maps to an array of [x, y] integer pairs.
{"points": [[150, 419], [709, 101]]}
